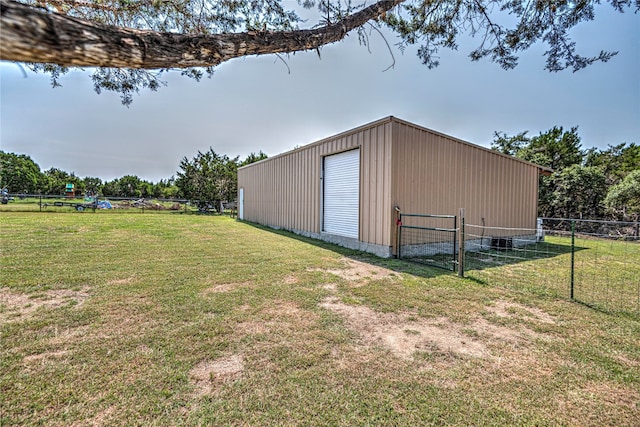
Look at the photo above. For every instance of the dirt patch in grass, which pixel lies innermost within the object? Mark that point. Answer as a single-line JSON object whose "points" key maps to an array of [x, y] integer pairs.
{"points": [[360, 273], [20, 306], [331, 287], [101, 418], [402, 334], [282, 308], [511, 309], [44, 358], [226, 287], [286, 317], [405, 334], [125, 281], [517, 335], [207, 373], [280, 326], [291, 280], [60, 337], [251, 328]]}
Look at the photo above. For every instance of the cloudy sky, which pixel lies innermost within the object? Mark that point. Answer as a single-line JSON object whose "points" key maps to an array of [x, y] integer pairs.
{"points": [[258, 103]]}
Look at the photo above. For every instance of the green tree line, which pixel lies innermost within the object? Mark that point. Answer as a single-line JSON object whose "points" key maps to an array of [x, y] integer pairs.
{"points": [[585, 183], [208, 177]]}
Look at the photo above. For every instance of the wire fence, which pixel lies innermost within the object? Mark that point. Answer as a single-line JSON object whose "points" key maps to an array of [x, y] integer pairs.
{"points": [[60, 203], [594, 262], [428, 239]]}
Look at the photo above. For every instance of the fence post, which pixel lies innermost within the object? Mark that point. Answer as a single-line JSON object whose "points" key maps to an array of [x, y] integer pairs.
{"points": [[455, 242], [398, 221], [573, 251], [461, 245]]}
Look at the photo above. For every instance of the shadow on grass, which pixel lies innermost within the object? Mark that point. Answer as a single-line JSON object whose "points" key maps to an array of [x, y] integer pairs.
{"points": [[492, 258], [595, 306], [396, 265], [420, 267]]}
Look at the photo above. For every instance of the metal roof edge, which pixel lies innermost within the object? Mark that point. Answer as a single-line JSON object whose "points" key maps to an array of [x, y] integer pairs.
{"points": [[541, 169], [329, 138]]}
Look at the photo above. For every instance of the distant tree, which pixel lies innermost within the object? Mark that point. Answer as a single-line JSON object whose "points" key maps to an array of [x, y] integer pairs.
{"points": [[510, 145], [208, 178], [110, 188], [57, 180], [616, 162], [252, 158], [171, 192], [166, 189], [578, 192], [92, 184], [555, 149], [623, 199], [20, 174], [126, 186], [133, 42]]}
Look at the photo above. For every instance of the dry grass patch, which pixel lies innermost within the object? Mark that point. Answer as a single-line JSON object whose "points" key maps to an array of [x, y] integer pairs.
{"points": [[64, 336], [599, 404], [291, 280], [611, 395], [402, 334], [511, 309], [489, 331], [206, 374], [251, 328], [124, 281], [624, 360], [405, 334], [331, 287], [227, 287], [281, 319], [102, 418], [20, 306], [360, 273], [35, 358]]}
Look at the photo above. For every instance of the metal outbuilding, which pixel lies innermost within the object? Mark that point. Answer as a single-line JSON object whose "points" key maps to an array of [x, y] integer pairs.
{"points": [[348, 188]]}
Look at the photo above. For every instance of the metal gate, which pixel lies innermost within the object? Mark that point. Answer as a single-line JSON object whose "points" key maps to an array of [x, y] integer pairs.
{"points": [[428, 239]]}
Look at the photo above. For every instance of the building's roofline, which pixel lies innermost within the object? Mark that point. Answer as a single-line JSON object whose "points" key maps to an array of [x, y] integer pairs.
{"points": [[541, 169], [329, 138], [389, 119]]}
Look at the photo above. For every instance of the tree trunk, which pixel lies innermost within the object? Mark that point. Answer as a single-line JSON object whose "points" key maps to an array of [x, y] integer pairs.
{"points": [[33, 35]]}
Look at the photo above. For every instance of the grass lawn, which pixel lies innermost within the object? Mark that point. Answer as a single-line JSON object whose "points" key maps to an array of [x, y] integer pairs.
{"points": [[606, 273], [176, 319]]}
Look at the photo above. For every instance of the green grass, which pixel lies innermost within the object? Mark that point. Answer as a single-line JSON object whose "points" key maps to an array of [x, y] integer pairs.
{"points": [[46, 205], [606, 273], [201, 320]]}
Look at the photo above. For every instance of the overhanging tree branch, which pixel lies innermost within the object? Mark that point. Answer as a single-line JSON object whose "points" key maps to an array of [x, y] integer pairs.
{"points": [[127, 40], [34, 35]]}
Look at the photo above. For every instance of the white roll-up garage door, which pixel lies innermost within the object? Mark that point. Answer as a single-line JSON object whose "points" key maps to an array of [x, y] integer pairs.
{"points": [[342, 193]]}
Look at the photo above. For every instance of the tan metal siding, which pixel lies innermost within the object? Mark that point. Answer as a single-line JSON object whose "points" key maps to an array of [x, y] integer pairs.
{"points": [[420, 170], [436, 174], [286, 190]]}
